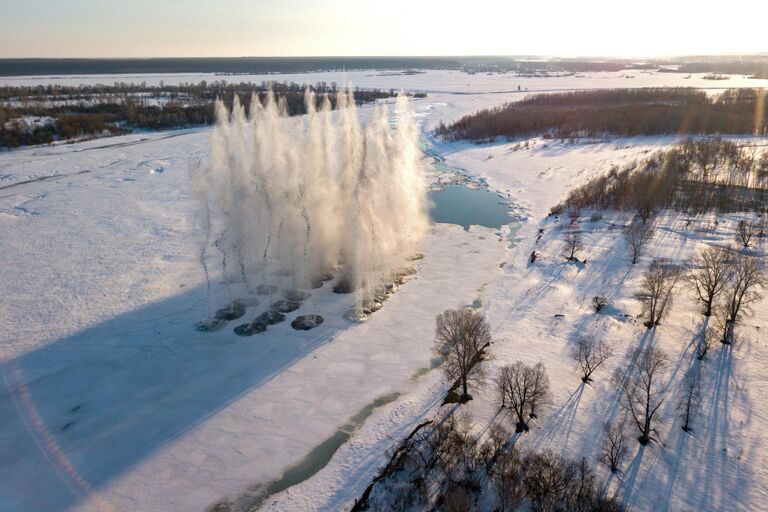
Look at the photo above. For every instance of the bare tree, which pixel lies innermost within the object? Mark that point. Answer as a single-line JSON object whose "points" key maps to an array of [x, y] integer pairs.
{"points": [[741, 291], [590, 355], [614, 446], [548, 480], [574, 214], [688, 402], [572, 244], [641, 391], [541, 393], [460, 336], [495, 443], [745, 231], [599, 302], [468, 457], [457, 499], [523, 388], [427, 449], [508, 481], [638, 234], [709, 274], [656, 293]]}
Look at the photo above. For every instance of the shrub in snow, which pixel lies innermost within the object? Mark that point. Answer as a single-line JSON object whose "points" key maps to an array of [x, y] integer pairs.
{"points": [[745, 232], [599, 302], [571, 245], [590, 355]]}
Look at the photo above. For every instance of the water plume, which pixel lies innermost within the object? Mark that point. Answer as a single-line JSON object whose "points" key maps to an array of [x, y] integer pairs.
{"points": [[312, 195]]}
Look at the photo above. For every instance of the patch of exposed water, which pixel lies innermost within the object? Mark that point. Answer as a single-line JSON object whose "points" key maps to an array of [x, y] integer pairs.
{"points": [[313, 462]]}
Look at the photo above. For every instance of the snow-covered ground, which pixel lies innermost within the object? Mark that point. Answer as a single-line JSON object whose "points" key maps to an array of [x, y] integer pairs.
{"points": [[112, 401], [429, 80]]}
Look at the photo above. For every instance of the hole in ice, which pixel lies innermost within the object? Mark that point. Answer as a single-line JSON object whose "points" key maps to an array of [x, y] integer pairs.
{"points": [[285, 306], [233, 311], [307, 322], [210, 324], [344, 285], [250, 329], [270, 317]]}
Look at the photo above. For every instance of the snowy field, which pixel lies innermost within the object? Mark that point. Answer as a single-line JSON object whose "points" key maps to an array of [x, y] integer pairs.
{"points": [[110, 400], [428, 81]]}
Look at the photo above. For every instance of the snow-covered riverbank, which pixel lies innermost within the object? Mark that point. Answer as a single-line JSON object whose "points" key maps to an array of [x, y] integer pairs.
{"points": [[113, 402]]}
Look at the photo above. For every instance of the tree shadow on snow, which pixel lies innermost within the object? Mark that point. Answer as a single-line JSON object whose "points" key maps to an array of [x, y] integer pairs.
{"points": [[79, 412], [557, 428], [726, 472]]}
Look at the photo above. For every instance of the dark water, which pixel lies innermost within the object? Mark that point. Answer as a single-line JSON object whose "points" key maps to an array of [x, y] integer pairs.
{"points": [[459, 204], [319, 456]]}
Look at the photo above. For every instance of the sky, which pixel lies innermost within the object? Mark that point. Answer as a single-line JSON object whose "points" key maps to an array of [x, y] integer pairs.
{"points": [[210, 28]]}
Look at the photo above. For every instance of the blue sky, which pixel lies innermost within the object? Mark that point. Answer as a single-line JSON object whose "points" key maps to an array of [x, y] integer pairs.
{"points": [[153, 28]]}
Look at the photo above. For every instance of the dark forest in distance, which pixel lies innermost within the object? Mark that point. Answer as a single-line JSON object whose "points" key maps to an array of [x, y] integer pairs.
{"points": [[753, 65]]}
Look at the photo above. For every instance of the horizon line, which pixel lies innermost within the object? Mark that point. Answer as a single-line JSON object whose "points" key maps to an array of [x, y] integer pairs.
{"points": [[425, 56]]}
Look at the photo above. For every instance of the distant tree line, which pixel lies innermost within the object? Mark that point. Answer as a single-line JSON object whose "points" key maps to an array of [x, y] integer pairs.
{"points": [[619, 112], [67, 112], [196, 91], [756, 66], [695, 176], [267, 65]]}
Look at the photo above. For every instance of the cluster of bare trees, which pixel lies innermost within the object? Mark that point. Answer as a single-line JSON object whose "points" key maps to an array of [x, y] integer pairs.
{"points": [[446, 465], [623, 112], [546, 482], [642, 392], [116, 109], [696, 176], [715, 273], [726, 282], [444, 458]]}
